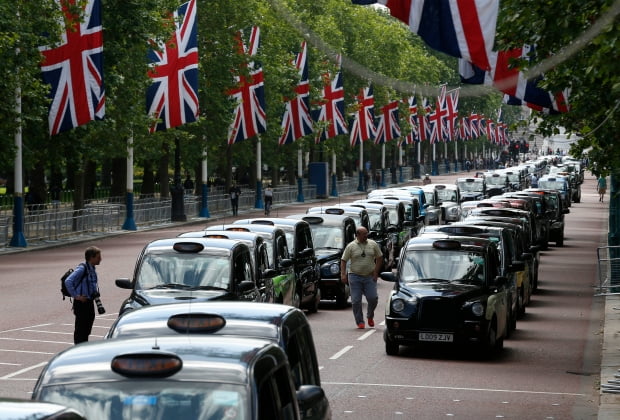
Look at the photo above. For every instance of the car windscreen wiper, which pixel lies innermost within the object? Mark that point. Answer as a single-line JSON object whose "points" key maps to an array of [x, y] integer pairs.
{"points": [[171, 286]]}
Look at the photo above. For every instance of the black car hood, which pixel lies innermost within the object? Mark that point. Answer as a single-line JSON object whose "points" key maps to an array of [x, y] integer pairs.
{"points": [[439, 289], [324, 255]]}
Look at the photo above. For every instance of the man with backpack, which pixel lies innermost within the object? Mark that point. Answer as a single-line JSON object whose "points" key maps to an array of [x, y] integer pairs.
{"points": [[83, 288]]}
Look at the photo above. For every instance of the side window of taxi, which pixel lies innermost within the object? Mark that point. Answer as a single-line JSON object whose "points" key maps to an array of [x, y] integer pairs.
{"points": [[275, 395], [282, 248], [243, 267]]}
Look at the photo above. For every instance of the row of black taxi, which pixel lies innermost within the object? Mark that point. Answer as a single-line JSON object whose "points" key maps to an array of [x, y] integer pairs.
{"points": [[466, 283], [212, 329]]}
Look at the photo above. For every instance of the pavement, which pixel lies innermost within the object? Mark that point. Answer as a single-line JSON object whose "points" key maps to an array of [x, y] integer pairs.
{"points": [[609, 394]]}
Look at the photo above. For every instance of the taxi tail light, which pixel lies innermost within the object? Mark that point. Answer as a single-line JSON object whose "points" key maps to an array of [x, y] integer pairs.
{"points": [[153, 365], [196, 323]]}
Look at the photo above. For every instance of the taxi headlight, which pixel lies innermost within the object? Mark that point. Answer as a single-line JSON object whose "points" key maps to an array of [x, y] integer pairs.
{"points": [[334, 268], [477, 309], [398, 305]]}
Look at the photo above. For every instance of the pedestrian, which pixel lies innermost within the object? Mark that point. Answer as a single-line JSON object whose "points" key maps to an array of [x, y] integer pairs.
{"points": [[188, 185], [268, 199], [366, 261], [377, 179], [234, 192], [533, 181], [601, 187], [83, 287], [426, 180]]}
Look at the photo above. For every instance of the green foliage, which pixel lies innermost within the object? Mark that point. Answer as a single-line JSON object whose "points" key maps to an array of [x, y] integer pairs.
{"points": [[577, 47]]}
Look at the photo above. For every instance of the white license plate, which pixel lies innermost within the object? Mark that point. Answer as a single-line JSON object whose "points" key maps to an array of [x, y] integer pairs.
{"points": [[440, 337]]}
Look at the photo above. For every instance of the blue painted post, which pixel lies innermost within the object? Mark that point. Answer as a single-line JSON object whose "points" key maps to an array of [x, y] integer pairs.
{"points": [[300, 190], [204, 207], [435, 168], [401, 178], [18, 239], [383, 177], [129, 223], [259, 204], [334, 192]]}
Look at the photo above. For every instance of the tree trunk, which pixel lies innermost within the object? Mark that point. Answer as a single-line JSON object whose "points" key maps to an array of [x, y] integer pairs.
{"points": [[119, 178], [148, 180]]}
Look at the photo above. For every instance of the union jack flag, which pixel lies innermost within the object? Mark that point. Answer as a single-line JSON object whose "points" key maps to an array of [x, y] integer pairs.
{"points": [[297, 121], [414, 134], [363, 127], [452, 115], [474, 125], [388, 127], [460, 28], [424, 123], [74, 69], [332, 109], [491, 131], [172, 98], [436, 118], [464, 131], [249, 115]]}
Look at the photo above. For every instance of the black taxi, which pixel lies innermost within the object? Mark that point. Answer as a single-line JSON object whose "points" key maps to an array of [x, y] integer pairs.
{"points": [[330, 234], [279, 260], [196, 269], [176, 377], [448, 291], [270, 285], [305, 264], [284, 325]]}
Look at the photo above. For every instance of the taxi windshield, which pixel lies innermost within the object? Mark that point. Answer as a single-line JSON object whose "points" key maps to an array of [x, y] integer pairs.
{"points": [[552, 185], [183, 270], [444, 266], [470, 186], [327, 236], [375, 220], [152, 399], [447, 195], [496, 180]]}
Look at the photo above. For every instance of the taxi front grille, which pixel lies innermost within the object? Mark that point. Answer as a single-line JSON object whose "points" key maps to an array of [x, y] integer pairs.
{"points": [[437, 314]]}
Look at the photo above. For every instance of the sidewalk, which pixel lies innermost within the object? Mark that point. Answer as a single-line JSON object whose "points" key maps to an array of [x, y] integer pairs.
{"points": [[609, 402]]}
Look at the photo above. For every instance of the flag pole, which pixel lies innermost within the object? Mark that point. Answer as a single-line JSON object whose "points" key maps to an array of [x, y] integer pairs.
{"points": [[334, 192], [18, 239], [383, 164], [204, 205], [360, 185], [129, 223], [259, 179], [300, 174]]}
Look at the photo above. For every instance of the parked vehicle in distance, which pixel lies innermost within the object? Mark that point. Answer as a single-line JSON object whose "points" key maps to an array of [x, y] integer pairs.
{"points": [[258, 251], [472, 189], [284, 281], [301, 247], [330, 234], [449, 196], [197, 269]]}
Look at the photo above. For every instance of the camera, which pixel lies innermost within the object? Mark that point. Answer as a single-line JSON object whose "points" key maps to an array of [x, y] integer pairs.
{"points": [[100, 308]]}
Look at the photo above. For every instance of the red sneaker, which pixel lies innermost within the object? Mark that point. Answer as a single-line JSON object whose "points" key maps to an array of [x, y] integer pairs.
{"points": [[361, 326], [371, 322]]}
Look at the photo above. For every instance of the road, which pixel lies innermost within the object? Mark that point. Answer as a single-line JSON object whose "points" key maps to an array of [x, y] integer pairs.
{"points": [[548, 370]]}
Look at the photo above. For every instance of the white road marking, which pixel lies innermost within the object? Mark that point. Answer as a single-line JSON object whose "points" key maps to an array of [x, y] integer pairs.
{"points": [[49, 332], [23, 328], [27, 351], [341, 352], [35, 341], [366, 335], [19, 372], [10, 364], [454, 388]]}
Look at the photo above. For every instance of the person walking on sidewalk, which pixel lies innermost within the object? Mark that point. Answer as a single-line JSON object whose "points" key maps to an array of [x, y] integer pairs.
{"points": [[601, 187], [366, 261]]}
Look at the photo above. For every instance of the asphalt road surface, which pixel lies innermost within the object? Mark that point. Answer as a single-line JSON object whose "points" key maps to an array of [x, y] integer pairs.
{"points": [[548, 370]]}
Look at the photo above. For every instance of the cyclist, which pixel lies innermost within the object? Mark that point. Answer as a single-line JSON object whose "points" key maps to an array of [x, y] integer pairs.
{"points": [[268, 199]]}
